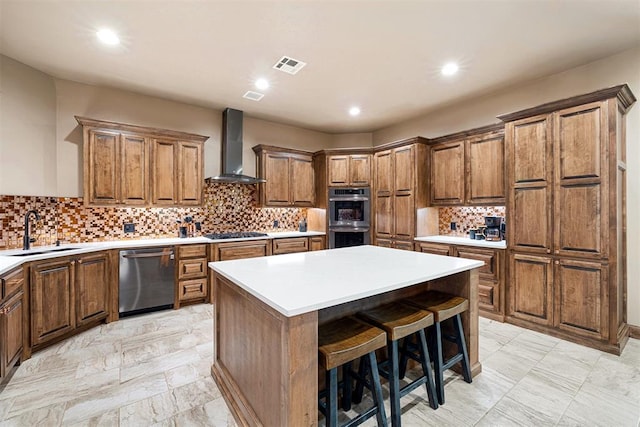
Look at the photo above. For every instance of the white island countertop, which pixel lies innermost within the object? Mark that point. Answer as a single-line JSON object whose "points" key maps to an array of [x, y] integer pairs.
{"points": [[299, 283]]}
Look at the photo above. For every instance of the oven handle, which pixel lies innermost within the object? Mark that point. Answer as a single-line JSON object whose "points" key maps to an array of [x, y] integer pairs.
{"points": [[349, 199], [349, 229]]}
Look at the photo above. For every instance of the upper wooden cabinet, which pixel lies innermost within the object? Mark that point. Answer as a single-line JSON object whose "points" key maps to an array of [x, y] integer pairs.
{"points": [[349, 170], [140, 166], [566, 179], [468, 168], [289, 175], [400, 181]]}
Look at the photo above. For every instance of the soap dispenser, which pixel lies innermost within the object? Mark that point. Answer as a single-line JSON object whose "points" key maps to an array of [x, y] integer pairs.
{"points": [[302, 225]]}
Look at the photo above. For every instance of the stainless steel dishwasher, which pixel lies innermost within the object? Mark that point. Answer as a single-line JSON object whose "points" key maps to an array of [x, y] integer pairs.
{"points": [[147, 280]]}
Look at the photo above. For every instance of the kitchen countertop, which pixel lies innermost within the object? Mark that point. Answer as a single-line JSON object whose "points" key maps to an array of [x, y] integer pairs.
{"points": [[459, 240], [302, 282], [8, 262]]}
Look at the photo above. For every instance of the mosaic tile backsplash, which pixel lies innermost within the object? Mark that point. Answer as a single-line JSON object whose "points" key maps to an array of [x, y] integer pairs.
{"points": [[465, 217], [227, 208]]}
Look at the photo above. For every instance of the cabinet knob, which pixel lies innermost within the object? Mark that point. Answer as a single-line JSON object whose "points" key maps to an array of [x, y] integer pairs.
{"points": [[548, 251], [557, 263], [557, 251], [79, 261]]}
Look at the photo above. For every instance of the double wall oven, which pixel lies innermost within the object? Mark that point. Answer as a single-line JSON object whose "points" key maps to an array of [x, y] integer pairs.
{"points": [[349, 217]]}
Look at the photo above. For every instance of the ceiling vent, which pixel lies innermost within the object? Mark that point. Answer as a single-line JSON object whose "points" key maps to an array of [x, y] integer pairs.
{"points": [[289, 65], [254, 96]]}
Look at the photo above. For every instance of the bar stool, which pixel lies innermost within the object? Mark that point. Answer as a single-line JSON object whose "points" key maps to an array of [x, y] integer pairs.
{"points": [[444, 306], [400, 321], [340, 342]]}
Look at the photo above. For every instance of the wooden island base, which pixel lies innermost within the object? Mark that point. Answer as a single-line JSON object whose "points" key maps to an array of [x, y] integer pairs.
{"points": [[266, 364]]}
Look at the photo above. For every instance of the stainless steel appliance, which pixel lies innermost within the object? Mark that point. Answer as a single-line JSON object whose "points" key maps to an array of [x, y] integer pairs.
{"points": [[147, 280], [492, 231], [349, 217]]}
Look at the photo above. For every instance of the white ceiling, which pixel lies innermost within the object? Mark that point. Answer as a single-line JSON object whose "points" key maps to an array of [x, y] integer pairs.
{"points": [[382, 55]]}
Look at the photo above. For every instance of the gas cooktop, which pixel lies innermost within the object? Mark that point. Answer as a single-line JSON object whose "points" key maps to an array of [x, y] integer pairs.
{"points": [[237, 235]]}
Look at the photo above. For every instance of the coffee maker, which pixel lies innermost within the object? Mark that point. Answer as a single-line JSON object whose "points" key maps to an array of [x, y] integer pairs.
{"points": [[493, 228]]}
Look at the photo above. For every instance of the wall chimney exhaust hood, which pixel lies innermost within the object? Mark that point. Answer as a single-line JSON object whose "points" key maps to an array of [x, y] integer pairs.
{"points": [[232, 150]]}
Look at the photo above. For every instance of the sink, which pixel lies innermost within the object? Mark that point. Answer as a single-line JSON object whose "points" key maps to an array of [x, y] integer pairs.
{"points": [[48, 251]]}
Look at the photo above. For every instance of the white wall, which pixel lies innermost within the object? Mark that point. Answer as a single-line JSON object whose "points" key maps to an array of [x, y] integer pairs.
{"points": [[614, 70], [27, 130]]}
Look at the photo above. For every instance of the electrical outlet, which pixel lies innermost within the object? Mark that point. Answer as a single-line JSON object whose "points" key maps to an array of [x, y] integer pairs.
{"points": [[129, 227], [453, 226], [276, 223]]}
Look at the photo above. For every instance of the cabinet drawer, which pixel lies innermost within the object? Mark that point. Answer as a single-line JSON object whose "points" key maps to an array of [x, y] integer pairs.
{"points": [[228, 251], [11, 283], [192, 268], [287, 246], [192, 251], [433, 248], [487, 296], [192, 289], [490, 258]]}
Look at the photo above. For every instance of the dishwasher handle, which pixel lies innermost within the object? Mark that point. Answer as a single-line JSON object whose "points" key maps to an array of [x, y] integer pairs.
{"points": [[149, 255]]}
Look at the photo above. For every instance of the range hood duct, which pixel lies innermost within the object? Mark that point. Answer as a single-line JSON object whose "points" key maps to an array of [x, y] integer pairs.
{"points": [[232, 150]]}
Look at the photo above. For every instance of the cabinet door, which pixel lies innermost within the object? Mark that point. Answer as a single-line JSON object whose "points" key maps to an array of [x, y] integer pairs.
{"points": [[384, 173], [433, 248], [190, 173], [276, 188], [91, 288], [133, 170], [447, 173], [404, 216], [581, 204], [485, 170], [302, 181], [403, 161], [384, 216], [529, 172], [582, 300], [163, 172], [338, 171], [316, 243], [101, 168], [11, 318], [360, 169], [52, 308], [531, 292]]}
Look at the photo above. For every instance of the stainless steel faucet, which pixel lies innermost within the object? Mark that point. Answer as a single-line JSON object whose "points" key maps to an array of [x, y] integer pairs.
{"points": [[26, 243]]}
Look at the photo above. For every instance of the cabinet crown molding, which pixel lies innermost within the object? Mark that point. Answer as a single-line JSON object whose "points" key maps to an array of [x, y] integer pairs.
{"points": [[400, 143], [144, 130], [623, 93], [272, 148], [488, 131]]}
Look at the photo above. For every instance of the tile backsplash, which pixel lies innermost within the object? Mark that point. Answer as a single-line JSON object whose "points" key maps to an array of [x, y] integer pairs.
{"points": [[226, 208], [465, 217]]}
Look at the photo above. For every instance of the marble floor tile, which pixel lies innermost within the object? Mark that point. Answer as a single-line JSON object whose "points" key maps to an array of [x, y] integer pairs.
{"points": [[196, 393], [114, 397], [50, 415], [106, 419], [594, 406], [149, 411], [158, 364], [620, 379]]}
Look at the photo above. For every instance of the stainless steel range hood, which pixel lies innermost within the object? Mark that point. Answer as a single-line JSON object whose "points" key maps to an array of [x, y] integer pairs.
{"points": [[232, 150]]}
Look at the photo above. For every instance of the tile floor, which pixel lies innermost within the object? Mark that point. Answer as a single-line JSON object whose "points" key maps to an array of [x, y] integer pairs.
{"points": [[155, 370]]}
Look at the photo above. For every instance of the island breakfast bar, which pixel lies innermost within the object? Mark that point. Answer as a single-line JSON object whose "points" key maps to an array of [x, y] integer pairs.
{"points": [[267, 311]]}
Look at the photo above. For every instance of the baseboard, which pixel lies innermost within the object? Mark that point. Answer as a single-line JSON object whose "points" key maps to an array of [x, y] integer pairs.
{"points": [[634, 332]]}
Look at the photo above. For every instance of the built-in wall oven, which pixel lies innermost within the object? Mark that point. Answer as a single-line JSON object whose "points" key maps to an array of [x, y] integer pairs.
{"points": [[349, 217]]}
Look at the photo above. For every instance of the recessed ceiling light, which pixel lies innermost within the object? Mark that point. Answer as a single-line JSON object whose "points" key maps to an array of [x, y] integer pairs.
{"points": [[107, 36], [262, 84], [354, 111], [449, 69]]}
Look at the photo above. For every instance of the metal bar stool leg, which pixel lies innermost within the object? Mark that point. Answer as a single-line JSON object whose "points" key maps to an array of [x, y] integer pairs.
{"points": [[332, 398], [426, 369], [394, 383], [346, 386], [438, 364], [462, 348], [377, 390]]}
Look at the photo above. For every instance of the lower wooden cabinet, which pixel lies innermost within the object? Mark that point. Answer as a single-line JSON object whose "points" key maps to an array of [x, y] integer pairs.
{"points": [[531, 288], [92, 288], [492, 275], [191, 283], [317, 243], [405, 245], [67, 293], [12, 316]]}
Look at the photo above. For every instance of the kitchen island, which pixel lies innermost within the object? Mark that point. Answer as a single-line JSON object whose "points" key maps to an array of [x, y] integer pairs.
{"points": [[267, 312]]}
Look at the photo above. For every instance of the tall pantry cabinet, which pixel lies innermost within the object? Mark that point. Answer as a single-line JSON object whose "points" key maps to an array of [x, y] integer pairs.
{"points": [[400, 182], [566, 167]]}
